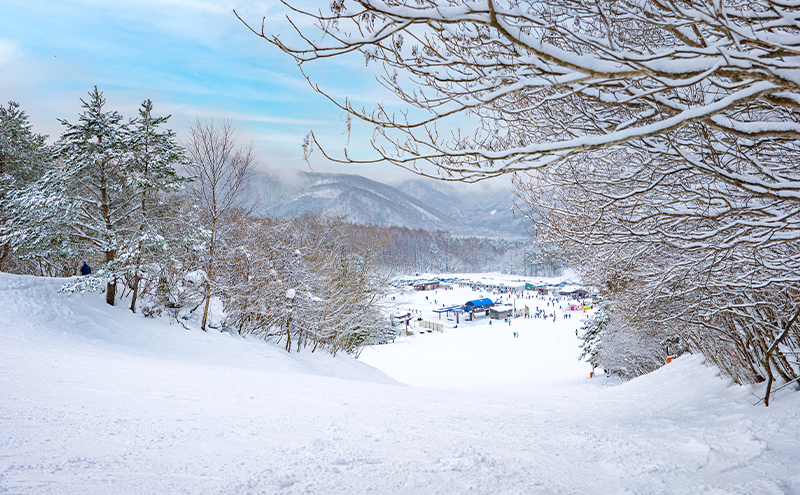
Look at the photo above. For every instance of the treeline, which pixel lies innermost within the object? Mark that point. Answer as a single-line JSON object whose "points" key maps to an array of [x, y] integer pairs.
{"points": [[164, 224], [406, 251]]}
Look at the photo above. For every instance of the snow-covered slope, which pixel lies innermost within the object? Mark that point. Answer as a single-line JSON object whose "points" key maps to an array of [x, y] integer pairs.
{"points": [[95, 399]]}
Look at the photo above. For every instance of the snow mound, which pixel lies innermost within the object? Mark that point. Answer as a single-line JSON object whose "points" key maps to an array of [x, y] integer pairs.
{"points": [[34, 313]]}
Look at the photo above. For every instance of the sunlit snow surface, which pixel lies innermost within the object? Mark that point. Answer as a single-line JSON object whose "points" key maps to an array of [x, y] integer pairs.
{"points": [[97, 400]]}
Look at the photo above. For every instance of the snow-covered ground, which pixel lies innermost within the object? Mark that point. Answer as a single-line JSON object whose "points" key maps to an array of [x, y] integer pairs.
{"points": [[95, 399]]}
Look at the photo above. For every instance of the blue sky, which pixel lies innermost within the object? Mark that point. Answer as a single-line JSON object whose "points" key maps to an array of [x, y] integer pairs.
{"points": [[192, 58]]}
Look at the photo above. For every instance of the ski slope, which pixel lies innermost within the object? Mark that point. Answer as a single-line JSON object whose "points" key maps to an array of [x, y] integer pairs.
{"points": [[97, 400]]}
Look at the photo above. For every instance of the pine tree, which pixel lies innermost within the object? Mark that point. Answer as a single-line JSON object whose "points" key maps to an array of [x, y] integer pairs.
{"points": [[24, 158], [97, 170], [155, 155], [593, 335]]}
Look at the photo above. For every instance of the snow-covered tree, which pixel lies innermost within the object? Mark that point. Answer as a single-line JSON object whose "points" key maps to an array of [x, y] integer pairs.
{"points": [[155, 154], [709, 264], [592, 335], [38, 226], [301, 283], [82, 206], [96, 174], [106, 198], [543, 81], [24, 158], [218, 167]]}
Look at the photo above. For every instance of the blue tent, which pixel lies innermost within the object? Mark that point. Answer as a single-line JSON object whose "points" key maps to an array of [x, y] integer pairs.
{"points": [[478, 304]]}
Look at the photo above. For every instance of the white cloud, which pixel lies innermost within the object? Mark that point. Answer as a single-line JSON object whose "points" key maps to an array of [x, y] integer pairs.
{"points": [[267, 119], [9, 51]]}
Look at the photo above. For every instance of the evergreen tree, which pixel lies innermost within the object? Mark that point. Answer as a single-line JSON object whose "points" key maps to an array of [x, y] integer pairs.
{"points": [[155, 155], [593, 335], [98, 177], [24, 158]]}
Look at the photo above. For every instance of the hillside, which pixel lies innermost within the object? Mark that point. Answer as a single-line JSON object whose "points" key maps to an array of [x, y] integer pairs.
{"points": [[418, 204], [94, 399]]}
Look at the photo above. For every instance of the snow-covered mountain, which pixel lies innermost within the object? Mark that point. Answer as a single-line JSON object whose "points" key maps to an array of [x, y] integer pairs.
{"points": [[415, 204], [472, 206]]}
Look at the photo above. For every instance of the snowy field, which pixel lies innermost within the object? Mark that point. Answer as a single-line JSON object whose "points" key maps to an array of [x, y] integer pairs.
{"points": [[97, 400]]}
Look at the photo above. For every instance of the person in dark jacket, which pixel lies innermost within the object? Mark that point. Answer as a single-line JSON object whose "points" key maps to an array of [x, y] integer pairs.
{"points": [[86, 269]]}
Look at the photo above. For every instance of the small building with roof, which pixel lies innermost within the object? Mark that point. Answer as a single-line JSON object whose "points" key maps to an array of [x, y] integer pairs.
{"points": [[478, 305], [427, 285], [501, 312], [573, 291]]}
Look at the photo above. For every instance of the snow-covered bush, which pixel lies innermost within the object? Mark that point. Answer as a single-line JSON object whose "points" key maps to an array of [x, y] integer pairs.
{"points": [[302, 283]]}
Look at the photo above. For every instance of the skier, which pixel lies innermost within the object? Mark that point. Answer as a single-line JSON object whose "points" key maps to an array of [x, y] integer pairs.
{"points": [[85, 269]]}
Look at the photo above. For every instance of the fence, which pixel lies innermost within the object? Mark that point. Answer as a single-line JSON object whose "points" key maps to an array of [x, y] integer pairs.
{"points": [[432, 325]]}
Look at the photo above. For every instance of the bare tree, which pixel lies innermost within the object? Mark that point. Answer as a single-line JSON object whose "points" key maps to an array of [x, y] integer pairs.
{"points": [[679, 254], [303, 283], [546, 80], [219, 168]]}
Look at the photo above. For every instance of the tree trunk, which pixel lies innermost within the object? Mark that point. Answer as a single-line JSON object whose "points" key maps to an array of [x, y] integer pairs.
{"points": [[770, 379], [143, 212], [5, 252], [111, 287], [772, 349], [209, 272], [289, 335], [205, 310], [111, 292], [135, 289]]}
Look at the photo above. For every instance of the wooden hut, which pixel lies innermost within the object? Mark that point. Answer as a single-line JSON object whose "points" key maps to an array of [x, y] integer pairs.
{"points": [[501, 312], [430, 285]]}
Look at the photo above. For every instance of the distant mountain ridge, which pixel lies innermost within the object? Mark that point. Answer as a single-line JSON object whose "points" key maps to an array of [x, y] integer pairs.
{"points": [[414, 204]]}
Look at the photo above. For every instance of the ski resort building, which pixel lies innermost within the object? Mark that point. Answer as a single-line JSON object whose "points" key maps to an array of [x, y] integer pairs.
{"points": [[573, 291], [501, 312], [478, 305], [494, 286], [429, 285]]}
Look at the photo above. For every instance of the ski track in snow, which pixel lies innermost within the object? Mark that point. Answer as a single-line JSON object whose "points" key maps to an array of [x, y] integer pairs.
{"points": [[95, 399]]}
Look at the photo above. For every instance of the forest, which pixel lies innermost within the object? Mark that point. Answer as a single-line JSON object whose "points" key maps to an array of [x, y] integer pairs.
{"points": [[163, 223]]}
